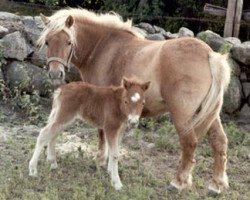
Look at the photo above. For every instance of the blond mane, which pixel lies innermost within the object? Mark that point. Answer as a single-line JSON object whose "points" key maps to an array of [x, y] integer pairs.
{"points": [[57, 23]]}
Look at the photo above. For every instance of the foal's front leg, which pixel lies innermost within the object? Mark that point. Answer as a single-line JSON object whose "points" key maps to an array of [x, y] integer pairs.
{"points": [[113, 144], [102, 154], [45, 136]]}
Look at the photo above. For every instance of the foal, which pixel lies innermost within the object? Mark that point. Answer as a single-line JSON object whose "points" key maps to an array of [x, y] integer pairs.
{"points": [[106, 108]]}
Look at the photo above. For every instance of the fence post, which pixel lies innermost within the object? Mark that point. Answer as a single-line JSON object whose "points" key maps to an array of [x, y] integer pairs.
{"points": [[228, 28], [237, 18]]}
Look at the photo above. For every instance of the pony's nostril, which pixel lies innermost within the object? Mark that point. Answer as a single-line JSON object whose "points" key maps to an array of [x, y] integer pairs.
{"points": [[50, 76], [60, 75]]}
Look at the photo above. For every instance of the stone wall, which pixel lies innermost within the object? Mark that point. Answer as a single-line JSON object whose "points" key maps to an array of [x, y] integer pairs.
{"points": [[24, 66]]}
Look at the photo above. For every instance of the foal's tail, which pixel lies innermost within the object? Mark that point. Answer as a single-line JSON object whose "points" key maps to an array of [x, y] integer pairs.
{"points": [[211, 106], [55, 106]]}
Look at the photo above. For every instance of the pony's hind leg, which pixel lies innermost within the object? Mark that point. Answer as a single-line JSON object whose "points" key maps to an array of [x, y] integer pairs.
{"points": [[218, 141], [184, 174], [188, 141], [102, 154]]}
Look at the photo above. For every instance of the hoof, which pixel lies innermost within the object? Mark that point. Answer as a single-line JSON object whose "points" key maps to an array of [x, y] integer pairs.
{"points": [[172, 188], [33, 172], [212, 193], [117, 186], [53, 166]]}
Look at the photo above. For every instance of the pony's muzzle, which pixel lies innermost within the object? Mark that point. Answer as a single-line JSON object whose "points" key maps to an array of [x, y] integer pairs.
{"points": [[56, 74]]}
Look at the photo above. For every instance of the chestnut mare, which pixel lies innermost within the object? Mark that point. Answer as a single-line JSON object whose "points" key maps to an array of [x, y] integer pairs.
{"points": [[187, 78], [106, 108]]}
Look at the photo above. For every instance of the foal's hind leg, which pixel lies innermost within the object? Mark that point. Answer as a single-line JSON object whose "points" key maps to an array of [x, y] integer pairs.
{"points": [[218, 142], [102, 154], [183, 178]]}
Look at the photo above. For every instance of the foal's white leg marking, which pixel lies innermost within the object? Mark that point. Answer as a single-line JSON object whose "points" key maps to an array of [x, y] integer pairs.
{"points": [[42, 140], [136, 97], [51, 154], [113, 165]]}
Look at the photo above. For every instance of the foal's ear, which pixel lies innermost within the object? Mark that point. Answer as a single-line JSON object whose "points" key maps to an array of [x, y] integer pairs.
{"points": [[69, 21], [125, 83], [145, 86], [44, 19]]}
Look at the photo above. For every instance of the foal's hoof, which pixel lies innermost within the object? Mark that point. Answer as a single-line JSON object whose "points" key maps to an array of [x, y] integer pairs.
{"points": [[117, 186], [53, 166], [172, 188], [33, 172]]}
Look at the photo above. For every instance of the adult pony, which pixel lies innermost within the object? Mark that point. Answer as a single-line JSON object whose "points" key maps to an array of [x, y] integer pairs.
{"points": [[187, 78]]}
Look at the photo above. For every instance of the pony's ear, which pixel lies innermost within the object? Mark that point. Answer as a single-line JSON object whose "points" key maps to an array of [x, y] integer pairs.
{"points": [[69, 21], [125, 83], [44, 19], [145, 86]]}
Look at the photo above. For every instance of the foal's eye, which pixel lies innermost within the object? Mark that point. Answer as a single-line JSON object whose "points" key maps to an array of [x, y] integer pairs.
{"points": [[46, 42], [69, 43], [125, 101]]}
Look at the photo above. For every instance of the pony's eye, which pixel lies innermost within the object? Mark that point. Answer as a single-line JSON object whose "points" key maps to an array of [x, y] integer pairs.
{"points": [[46, 42], [125, 101], [69, 43]]}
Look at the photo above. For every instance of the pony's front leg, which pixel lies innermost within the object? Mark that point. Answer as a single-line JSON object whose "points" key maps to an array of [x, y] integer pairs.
{"points": [[102, 154], [113, 144]]}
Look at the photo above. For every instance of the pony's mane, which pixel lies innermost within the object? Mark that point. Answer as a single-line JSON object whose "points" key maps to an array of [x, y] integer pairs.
{"points": [[57, 23]]}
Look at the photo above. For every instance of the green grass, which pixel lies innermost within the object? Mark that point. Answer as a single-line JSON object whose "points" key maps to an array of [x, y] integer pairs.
{"points": [[145, 173]]}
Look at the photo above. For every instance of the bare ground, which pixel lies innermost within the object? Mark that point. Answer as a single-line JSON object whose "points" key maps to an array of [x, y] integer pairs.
{"points": [[149, 158]]}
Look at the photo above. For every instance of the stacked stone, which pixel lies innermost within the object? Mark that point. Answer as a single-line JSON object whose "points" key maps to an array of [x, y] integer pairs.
{"points": [[24, 61]]}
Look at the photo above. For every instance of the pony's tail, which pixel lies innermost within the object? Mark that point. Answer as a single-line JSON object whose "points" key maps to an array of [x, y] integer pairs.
{"points": [[211, 106]]}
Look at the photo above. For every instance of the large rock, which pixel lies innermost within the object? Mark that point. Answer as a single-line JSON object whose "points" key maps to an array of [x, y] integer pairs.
{"points": [[241, 52], [235, 68], [233, 40], [3, 31], [244, 115], [248, 100], [140, 30], [15, 46], [169, 35], [39, 57], [147, 27], [11, 21], [246, 89], [233, 96], [185, 32], [215, 41], [156, 36], [27, 78], [32, 28]]}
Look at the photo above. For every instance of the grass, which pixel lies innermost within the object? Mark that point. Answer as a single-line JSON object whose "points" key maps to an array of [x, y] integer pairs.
{"points": [[145, 171]]}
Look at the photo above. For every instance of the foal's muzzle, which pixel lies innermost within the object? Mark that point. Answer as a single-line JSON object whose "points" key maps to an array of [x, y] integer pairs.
{"points": [[133, 121]]}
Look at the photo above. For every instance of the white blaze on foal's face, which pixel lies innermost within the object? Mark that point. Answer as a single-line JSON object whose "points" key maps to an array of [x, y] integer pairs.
{"points": [[136, 97]]}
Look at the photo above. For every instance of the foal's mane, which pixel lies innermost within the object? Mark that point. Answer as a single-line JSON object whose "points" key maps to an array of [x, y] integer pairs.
{"points": [[57, 23]]}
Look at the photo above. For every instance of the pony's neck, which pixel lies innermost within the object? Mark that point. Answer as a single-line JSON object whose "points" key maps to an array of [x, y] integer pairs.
{"points": [[88, 38]]}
